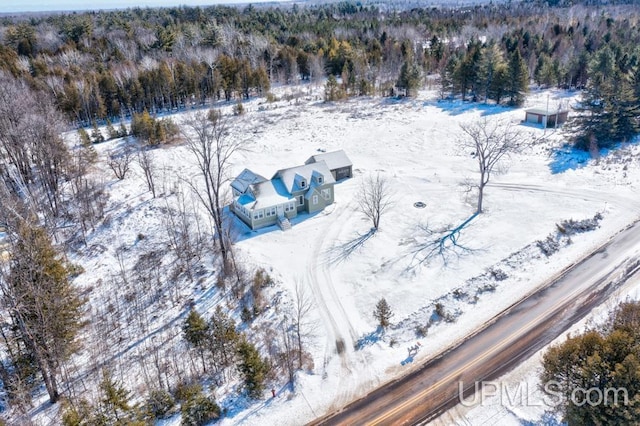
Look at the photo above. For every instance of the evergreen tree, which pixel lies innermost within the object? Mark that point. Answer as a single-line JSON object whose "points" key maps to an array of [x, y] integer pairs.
{"points": [[448, 82], [224, 337], [492, 73], [332, 91], [199, 410], [196, 333], [111, 131], [115, 399], [608, 110], [96, 134], [603, 361], [45, 309], [122, 132], [253, 368], [383, 313], [410, 78], [468, 72], [518, 79]]}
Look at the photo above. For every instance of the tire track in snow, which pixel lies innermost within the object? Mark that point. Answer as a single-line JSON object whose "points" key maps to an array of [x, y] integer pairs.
{"points": [[628, 203], [341, 335]]}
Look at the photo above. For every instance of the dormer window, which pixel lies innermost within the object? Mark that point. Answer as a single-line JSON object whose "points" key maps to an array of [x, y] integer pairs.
{"points": [[303, 184], [320, 179]]}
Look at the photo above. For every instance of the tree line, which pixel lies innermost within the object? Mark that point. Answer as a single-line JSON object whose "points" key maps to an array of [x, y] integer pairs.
{"points": [[110, 64]]}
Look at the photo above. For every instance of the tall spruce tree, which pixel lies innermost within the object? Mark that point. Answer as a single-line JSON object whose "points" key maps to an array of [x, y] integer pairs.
{"points": [[409, 79], [196, 333], [253, 368], [608, 110], [493, 74], [518, 79]]}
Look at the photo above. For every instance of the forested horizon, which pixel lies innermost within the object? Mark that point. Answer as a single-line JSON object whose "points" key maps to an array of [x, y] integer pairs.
{"points": [[111, 64]]}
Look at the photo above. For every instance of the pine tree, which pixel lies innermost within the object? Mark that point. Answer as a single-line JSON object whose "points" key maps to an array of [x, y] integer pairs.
{"points": [[448, 82], [383, 313], [115, 398], [253, 368], [332, 91], [518, 79], [199, 410], [122, 132], [96, 134], [604, 360], [196, 333], [409, 79], [111, 131], [608, 111], [46, 310], [492, 73], [224, 337], [468, 72]]}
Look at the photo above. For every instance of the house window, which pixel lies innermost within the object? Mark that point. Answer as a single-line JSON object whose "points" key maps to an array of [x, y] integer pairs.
{"points": [[303, 184], [273, 211], [320, 179], [326, 194], [259, 214], [300, 200], [315, 199]]}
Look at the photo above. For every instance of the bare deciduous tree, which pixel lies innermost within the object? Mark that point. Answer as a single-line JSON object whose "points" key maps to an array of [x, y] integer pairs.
{"points": [[208, 140], [120, 162], [491, 141], [302, 325], [374, 198], [148, 166]]}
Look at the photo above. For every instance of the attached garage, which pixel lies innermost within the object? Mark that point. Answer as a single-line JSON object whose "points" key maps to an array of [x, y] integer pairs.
{"points": [[337, 161]]}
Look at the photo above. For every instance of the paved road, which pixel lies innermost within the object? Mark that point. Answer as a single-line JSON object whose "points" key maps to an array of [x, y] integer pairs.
{"points": [[510, 338]]}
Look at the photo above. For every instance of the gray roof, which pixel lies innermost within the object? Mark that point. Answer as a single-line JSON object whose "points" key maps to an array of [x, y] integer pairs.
{"points": [[246, 179], [288, 176], [335, 159]]}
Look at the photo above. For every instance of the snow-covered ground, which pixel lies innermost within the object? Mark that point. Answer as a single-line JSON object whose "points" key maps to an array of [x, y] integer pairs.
{"points": [[412, 143]]}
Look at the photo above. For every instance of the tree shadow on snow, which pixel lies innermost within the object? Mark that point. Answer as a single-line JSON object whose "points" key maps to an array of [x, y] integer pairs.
{"points": [[369, 339], [341, 252]]}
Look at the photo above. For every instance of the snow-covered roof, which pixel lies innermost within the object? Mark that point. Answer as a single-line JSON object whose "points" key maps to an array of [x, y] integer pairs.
{"points": [[245, 179], [335, 159], [265, 194], [292, 184], [544, 111]]}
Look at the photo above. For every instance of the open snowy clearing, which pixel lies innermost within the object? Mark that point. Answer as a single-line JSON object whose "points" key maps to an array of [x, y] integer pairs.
{"points": [[413, 144]]}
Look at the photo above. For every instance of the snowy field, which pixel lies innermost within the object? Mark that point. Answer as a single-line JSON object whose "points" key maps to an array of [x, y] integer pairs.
{"points": [[412, 143]]}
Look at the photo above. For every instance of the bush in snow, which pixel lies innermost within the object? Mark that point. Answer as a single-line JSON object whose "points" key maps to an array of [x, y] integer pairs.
{"points": [[498, 275], [548, 246], [571, 226]]}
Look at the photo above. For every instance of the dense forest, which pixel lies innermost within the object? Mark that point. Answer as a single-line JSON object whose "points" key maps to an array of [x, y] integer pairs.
{"points": [[124, 68], [108, 65]]}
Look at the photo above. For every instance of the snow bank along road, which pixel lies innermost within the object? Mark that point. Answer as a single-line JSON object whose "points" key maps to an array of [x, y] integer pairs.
{"points": [[511, 337]]}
